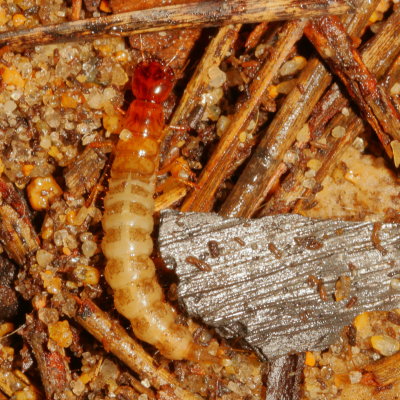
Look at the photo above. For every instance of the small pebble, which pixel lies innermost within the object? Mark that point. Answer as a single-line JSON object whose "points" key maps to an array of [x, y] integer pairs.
{"points": [[385, 345], [395, 145], [309, 183], [395, 89], [125, 134], [304, 134], [355, 376], [395, 284], [217, 76], [338, 132], [345, 111]]}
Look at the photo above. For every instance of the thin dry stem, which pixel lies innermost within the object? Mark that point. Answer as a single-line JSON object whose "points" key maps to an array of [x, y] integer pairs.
{"points": [[215, 171], [250, 190], [116, 340], [209, 13]]}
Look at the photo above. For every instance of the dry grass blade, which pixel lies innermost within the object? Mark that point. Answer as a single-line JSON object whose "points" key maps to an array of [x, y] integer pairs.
{"points": [[376, 57], [116, 340], [208, 13], [335, 46], [261, 170], [215, 171]]}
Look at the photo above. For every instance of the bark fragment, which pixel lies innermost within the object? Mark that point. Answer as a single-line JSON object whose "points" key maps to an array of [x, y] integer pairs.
{"points": [[249, 293]]}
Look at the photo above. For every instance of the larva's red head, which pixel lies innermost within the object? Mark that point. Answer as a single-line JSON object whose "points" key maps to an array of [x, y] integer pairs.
{"points": [[152, 81]]}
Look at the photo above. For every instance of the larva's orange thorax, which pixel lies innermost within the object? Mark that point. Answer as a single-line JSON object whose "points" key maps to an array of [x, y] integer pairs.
{"points": [[145, 118], [152, 81]]}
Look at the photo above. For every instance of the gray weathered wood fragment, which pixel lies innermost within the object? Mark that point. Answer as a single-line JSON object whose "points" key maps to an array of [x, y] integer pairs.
{"points": [[259, 288]]}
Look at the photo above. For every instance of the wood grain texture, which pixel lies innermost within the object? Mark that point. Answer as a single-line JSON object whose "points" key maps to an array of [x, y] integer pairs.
{"points": [[261, 293], [208, 13]]}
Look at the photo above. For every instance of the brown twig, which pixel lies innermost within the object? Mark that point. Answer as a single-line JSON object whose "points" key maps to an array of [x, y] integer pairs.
{"points": [[116, 340], [255, 180], [335, 46], [208, 13], [215, 171], [53, 365]]}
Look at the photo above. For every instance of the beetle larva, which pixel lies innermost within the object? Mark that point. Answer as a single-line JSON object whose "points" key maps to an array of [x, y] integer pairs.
{"points": [[128, 220]]}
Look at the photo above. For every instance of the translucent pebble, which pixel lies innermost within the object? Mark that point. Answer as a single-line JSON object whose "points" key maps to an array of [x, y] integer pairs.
{"points": [[119, 76], [345, 111], [44, 258], [395, 284], [292, 66], [62, 69], [9, 106], [304, 134], [395, 145], [59, 237], [314, 164], [77, 387], [88, 139], [395, 89], [69, 126], [217, 76], [260, 50], [83, 128], [213, 112], [290, 157], [359, 144], [385, 345], [310, 173], [222, 124], [85, 236], [309, 183], [89, 248], [52, 117], [61, 333], [48, 315], [16, 95], [355, 376], [109, 93], [125, 134], [95, 99], [145, 383], [338, 132], [68, 53], [216, 95]]}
